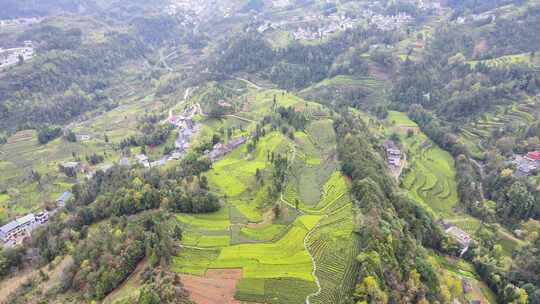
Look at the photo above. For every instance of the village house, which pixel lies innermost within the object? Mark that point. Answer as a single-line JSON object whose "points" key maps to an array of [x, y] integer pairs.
{"points": [[466, 286], [82, 137], [42, 217], [143, 160], [528, 163], [533, 156], [70, 168], [221, 149], [222, 103], [175, 155], [70, 165], [124, 161], [393, 154], [16, 229], [460, 236], [158, 163], [63, 198]]}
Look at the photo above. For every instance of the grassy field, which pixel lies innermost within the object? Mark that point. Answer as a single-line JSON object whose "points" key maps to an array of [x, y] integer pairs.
{"points": [[236, 172], [314, 163], [268, 268], [431, 179], [267, 233]]}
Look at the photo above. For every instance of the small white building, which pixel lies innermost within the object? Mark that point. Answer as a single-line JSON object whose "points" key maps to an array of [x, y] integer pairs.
{"points": [[143, 160]]}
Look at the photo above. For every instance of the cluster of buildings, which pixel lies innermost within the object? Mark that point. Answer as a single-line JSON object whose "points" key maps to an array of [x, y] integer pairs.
{"points": [[390, 22], [10, 57], [393, 154], [280, 3], [220, 149], [19, 22], [312, 27], [428, 4], [527, 164], [14, 232], [194, 10], [72, 168], [475, 18], [186, 129]]}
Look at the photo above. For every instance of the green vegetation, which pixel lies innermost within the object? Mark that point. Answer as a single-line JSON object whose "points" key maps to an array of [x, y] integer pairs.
{"points": [[431, 180], [307, 208], [270, 250], [267, 233]]}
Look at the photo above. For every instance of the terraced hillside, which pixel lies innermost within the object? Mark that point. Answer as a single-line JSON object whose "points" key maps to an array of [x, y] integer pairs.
{"points": [[430, 174], [365, 90], [283, 253], [22, 154], [525, 58], [477, 133], [430, 181]]}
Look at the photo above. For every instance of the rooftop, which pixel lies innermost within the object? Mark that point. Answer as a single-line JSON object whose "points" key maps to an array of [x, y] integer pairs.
{"points": [[65, 196], [18, 222]]}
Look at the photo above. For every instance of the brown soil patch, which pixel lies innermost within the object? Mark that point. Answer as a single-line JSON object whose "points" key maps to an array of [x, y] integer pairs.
{"points": [[20, 136], [404, 129], [218, 286], [378, 72], [268, 219], [480, 48]]}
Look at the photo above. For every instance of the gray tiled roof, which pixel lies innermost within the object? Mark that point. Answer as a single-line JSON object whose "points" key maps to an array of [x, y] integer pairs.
{"points": [[20, 221], [64, 197]]}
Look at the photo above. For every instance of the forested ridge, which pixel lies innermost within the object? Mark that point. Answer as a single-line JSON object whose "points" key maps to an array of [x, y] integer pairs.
{"points": [[392, 229]]}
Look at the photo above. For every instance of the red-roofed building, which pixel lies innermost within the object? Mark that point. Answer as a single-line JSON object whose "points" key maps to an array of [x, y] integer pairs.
{"points": [[533, 155]]}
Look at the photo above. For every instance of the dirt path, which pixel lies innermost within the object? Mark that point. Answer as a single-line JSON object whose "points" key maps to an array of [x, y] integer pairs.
{"points": [[397, 173], [112, 296], [314, 272], [510, 236], [482, 177], [240, 117], [250, 83]]}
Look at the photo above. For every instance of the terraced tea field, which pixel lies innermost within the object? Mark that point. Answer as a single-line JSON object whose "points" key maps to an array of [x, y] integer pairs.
{"points": [[477, 133], [369, 89], [431, 179], [276, 253], [430, 174], [335, 249], [525, 58], [22, 154]]}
